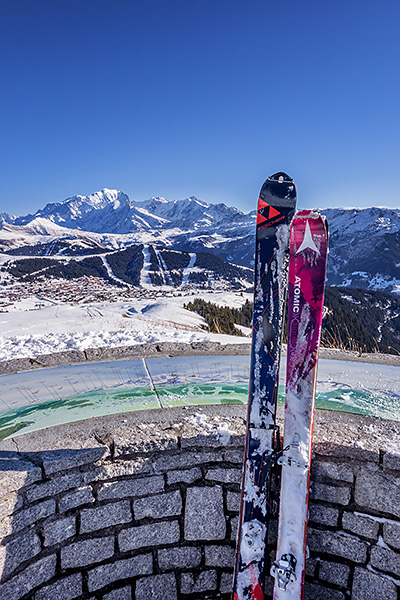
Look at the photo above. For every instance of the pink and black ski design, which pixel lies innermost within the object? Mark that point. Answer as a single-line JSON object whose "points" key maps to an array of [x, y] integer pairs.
{"points": [[276, 207], [307, 269]]}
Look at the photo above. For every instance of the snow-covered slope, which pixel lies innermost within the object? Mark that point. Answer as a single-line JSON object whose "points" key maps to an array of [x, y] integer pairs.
{"points": [[108, 211], [112, 211], [364, 243], [364, 248]]}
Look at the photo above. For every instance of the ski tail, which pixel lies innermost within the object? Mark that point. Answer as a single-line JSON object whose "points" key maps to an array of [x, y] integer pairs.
{"points": [[275, 210], [307, 271]]}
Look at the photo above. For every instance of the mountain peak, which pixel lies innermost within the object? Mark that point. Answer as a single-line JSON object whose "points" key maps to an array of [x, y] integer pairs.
{"points": [[99, 199]]}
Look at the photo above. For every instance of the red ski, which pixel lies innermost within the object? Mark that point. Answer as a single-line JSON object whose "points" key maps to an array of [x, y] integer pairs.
{"points": [[307, 269]]}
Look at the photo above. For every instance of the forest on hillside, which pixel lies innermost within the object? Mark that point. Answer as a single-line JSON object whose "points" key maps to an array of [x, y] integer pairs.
{"points": [[354, 319]]}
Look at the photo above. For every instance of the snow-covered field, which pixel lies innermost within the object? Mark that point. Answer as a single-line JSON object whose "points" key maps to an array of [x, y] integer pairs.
{"points": [[28, 331]]}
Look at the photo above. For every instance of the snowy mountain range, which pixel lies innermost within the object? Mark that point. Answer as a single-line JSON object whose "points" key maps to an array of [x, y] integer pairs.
{"points": [[111, 211], [364, 243]]}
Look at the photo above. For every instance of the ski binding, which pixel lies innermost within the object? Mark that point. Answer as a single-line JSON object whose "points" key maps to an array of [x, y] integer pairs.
{"points": [[284, 570], [289, 461]]}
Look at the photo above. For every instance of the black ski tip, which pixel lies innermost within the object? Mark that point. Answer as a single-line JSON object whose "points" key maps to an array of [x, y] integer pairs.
{"points": [[280, 177], [279, 189]]}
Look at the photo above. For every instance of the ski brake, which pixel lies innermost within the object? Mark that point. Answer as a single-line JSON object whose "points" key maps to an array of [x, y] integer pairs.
{"points": [[284, 570]]}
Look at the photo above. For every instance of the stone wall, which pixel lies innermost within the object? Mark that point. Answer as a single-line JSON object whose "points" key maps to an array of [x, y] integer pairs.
{"points": [[161, 349], [145, 505]]}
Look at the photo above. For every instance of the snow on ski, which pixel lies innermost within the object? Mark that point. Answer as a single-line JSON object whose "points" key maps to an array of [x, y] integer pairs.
{"points": [[307, 269], [276, 206]]}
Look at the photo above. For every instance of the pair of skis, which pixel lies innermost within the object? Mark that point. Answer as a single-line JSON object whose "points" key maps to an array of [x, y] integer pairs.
{"points": [[300, 243]]}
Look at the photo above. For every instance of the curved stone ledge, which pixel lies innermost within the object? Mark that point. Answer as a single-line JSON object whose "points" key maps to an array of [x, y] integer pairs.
{"points": [[161, 349], [145, 505]]}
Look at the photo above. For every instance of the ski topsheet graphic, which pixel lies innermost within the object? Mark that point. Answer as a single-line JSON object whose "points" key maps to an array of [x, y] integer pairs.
{"points": [[307, 268], [276, 206]]}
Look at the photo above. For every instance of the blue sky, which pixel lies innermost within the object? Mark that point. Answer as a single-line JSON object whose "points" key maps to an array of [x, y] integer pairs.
{"points": [[199, 97]]}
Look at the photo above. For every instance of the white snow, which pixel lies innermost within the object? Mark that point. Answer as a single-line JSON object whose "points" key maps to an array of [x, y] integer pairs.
{"points": [[189, 269], [110, 271], [206, 425], [36, 325]]}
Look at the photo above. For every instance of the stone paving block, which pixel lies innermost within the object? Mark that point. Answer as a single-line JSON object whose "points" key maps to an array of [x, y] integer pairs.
{"points": [[87, 552], [378, 491], [121, 569], [236, 456], [311, 566], [205, 581], [108, 515], [157, 587], [360, 525], [226, 583], [156, 507], [134, 351], [370, 586], [234, 528], [34, 575], [219, 556], [124, 593], [173, 348], [206, 347], [54, 486], [64, 357], [313, 591], [59, 530], [95, 354], [10, 504], [61, 460], [186, 459], [79, 497], [391, 534], [26, 517], [184, 476], [340, 472], [131, 488], [391, 461], [324, 515], [120, 468], [152, 534], [16, 474], [204, 514], [333, 572], [146, 442], [212, 439], [19, 550], [330, 493], [336, 544], [184, 557], [67, 588], [233, 501], [16, 365], [387, 560], [224, 475]]}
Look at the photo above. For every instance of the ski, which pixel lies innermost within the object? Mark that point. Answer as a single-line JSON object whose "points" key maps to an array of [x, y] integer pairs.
{"points": [[307, 269], [276, 207]]}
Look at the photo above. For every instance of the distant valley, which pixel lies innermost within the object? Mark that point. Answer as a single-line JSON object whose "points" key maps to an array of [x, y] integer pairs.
{"points": [[189, 244], [364, 243]]}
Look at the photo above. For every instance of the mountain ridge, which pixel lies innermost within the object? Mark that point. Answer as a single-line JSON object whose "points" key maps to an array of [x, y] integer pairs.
{"points": [[364, 242]]}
